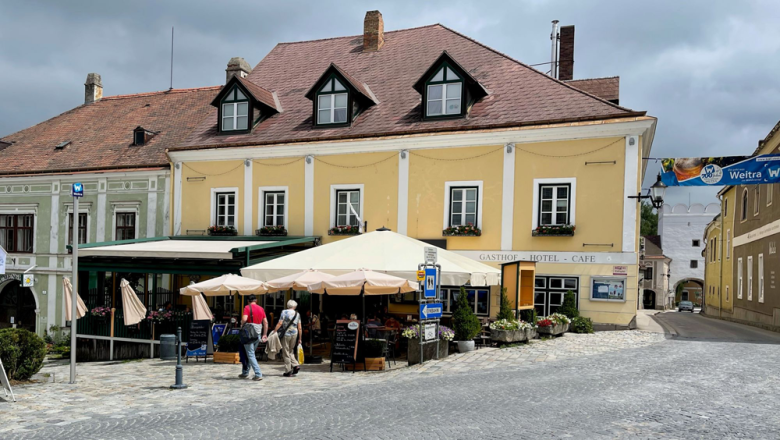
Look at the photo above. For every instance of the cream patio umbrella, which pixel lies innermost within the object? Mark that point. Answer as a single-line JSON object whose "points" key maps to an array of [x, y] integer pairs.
{"points": [[364, 281], [200, 310], [133, 309], [226, 285], [81, 308], [298, 281]]}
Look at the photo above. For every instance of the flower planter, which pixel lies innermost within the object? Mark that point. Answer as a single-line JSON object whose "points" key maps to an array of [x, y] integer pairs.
{"points": [[375, 364], [508, 336], [465, 346], [444, 234], [553, 330], [554, 231], [226, 358], [223, 234], [270, 234], [535, 234], [413, 351], [531, 333]]}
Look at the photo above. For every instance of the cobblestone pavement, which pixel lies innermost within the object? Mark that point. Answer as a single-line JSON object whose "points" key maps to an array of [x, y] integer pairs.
{"points": [[608, 385]]}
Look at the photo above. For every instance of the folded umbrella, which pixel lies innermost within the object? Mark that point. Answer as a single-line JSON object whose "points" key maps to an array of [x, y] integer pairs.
{"points": [[134, 310], [81, 308]]}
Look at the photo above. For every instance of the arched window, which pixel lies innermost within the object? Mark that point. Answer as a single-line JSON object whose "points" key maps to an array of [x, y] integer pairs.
{"points": [[444, 96], [744, 204], [332, 100], [235, 111]]}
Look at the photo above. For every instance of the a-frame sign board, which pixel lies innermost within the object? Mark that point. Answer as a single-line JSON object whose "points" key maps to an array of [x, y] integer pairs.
{"points": [[6, 384]]}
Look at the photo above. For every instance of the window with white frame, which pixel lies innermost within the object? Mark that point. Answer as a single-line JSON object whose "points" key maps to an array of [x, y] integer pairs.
{"points": [[273, 212], [225, 213], [769, 194], [125, 225], [82, 228], [756, 199], [332, 103], [463, 206], [554, 204], [347, 206], [235, 111], [479, 299], [750, 278], [739, 278], [761, 278], [444, 94], [17, 232]]}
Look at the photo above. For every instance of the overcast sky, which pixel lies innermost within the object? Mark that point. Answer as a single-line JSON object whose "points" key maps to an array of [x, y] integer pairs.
{"points": [[707, 69]]}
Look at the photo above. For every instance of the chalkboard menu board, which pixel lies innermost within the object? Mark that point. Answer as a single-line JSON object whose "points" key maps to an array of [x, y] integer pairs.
{"points": [[345, 343], [199, 343]]}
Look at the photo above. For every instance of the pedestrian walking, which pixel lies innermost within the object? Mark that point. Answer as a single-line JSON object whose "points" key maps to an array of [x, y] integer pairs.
{"points": [[255, 316], [290, 336]]}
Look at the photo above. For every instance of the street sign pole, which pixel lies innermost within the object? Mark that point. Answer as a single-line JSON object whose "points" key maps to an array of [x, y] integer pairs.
{"points": [[429, 293], [77, 191]]}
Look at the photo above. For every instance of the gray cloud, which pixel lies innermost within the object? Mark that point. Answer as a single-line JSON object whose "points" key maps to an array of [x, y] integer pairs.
{"points": [[706, 69]]}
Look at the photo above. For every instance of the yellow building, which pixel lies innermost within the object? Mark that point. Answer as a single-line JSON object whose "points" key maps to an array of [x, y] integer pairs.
{"points": [[427, 132], [718, 251]]}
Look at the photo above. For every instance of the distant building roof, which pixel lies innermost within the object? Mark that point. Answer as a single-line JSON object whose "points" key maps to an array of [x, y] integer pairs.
{"points": [[605, 88]]}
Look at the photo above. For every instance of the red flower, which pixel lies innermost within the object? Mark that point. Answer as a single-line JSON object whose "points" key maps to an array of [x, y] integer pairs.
{"points": [[544, 323]]}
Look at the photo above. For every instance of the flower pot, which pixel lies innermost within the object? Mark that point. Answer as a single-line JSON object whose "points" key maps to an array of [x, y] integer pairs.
{"points": [[508, 336], [271, 234], [553, 330], [465, 346], [375, 364], [413, 351], [531, 333], [226, 358]]}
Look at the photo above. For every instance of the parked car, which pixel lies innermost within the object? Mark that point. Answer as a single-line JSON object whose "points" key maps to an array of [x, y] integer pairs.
{"points": [[685, 305]]}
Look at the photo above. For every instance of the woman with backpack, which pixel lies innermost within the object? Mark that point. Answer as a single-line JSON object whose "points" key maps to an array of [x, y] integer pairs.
{"points": [[290, 337]]}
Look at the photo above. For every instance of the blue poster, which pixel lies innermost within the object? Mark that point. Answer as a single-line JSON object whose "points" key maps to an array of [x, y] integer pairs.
{"points": [[216, 332], [721, 171]]}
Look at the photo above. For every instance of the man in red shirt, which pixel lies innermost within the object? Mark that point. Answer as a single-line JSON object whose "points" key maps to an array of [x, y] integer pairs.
{"points": [[255, 315]]}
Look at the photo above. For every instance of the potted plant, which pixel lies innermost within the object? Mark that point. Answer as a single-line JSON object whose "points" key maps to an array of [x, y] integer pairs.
{"points": [[468, 230], [222, 231], [159, 317], [465, 323], [373, 351], [227, 350], [554, 231], [412, 334], [344, 230], [278, 231], [553, 325], [100, 313], [508, 331]]}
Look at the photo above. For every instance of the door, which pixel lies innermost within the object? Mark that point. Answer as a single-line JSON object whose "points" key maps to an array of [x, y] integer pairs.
{"points": [[684, 296], [649, 299], [17, 304]]}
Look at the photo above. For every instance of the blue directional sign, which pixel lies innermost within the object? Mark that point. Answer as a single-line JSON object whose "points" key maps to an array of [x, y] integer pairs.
{"points": [[77, 190], [430, 282], [431, 311]]}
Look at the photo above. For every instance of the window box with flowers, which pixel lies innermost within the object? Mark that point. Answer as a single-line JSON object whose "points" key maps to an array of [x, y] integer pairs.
{"points": [[277, 231], [554, 231], [100, 313], [159, 317], [508, 331], [412, 334], [468, 230], [553, 325], [222, 231], [344, 230]]}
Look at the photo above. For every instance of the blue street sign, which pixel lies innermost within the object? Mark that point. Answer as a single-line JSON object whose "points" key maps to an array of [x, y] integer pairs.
{"points": [[77, 190], [431, 311], [430, 282]]}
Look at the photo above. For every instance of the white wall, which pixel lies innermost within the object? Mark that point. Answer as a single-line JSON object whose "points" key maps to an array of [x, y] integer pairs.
{"points": [[678, 227]]}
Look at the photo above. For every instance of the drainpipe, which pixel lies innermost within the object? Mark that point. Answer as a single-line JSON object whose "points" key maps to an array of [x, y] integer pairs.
{"points": [[722, 257]]}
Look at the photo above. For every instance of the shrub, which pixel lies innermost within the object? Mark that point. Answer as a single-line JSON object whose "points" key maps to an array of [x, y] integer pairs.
{"points": [[465, 322], [581, 325], [528, 315], [22, 353], [373, 348], [569, 306], [505, 312], [229, 344]]}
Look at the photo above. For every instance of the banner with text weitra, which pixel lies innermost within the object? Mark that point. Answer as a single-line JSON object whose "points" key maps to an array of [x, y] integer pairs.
{"points": [[721, 171]]}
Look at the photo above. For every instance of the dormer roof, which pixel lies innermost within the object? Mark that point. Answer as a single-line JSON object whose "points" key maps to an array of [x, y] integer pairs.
{"points": [[258, 94], [359, 87], [478, 90]]}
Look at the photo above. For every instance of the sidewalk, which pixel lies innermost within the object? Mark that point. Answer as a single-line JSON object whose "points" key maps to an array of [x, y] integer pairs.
{"points": [[645, 321]]}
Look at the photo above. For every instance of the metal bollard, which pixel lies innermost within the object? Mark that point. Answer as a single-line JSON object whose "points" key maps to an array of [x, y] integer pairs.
{"points": [[179, 385]]}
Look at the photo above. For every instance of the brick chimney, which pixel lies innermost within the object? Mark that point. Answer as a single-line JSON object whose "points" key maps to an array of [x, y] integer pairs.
{"points": [[566, 57], [237, 66], [93, 89], [373, 31]]}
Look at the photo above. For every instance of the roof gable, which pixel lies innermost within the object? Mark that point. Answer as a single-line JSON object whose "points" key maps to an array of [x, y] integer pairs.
{"points": [[477, 89], [256, 93], [358, 87]]}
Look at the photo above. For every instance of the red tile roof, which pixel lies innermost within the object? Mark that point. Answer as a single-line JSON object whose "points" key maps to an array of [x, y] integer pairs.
{"points": [[519, 95], [604, 88], [101, 133]]}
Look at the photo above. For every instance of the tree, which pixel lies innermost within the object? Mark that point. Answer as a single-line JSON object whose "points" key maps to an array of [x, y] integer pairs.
{"points": [[649, 225], [465, 323], [505, 312], [569, 306]]}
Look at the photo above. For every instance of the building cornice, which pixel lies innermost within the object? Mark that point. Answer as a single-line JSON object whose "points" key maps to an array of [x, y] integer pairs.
{"points": [[48, 178]]}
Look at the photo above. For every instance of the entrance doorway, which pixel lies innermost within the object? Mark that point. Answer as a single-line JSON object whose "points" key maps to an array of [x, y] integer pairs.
{"points": [[17, 306], [648, 300], [684, 296], [549, 293]]}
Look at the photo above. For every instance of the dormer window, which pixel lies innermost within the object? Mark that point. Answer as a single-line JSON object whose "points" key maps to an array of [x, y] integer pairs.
{"points": [[235, 111], [332, 102], [445, 94]]}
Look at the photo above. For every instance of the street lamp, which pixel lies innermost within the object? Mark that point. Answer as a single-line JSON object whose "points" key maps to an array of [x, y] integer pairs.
{"points": [[656, 194]]}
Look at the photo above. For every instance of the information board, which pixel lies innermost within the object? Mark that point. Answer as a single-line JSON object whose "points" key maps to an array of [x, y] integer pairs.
{"points": [[199, 342], [216, 332], [345, 343]]}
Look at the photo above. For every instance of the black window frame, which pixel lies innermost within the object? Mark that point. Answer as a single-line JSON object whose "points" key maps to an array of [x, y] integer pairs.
{"points": [[336, 201], [82, 229], [546, 288], [476, 202], [350, 98], [694, 264], [276, 205], [118, 228], [235, 209], [696, 242], [227, 100], [463, 92], [649, 273], [555, 215], [14, 229]]}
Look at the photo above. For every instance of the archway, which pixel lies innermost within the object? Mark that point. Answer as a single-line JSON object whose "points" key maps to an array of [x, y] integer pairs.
{"points": [[689, 289], [17, 304], [648, 299]]}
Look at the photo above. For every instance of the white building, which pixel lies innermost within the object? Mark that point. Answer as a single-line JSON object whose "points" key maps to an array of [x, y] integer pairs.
{"points": [[681, 228]]}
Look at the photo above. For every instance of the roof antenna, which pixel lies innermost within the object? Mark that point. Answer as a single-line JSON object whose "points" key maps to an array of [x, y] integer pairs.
{"points": [[171, 58]]}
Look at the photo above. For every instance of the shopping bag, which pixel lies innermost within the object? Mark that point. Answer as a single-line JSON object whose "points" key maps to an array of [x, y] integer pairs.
{"points": [[300, 354]]}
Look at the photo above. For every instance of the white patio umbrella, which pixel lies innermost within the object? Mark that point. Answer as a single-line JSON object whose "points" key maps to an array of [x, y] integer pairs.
{"points": [[200, 310], [133, 309], [81, 308], [226, 285], [381, 251], [298, 281], [364, 281]]}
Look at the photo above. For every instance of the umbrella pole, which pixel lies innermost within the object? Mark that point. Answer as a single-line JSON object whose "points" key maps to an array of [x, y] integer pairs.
{"points": [[363, 294]]}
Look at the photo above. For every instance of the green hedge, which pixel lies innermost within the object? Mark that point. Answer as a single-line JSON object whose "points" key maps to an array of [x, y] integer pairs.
{"points": [[22, 353], [581, 325], [229, 344]]}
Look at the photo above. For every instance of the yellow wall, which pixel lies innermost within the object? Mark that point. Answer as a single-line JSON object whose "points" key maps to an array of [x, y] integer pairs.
{"points": [[720, 273], [280, 172], [196, 195]]}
